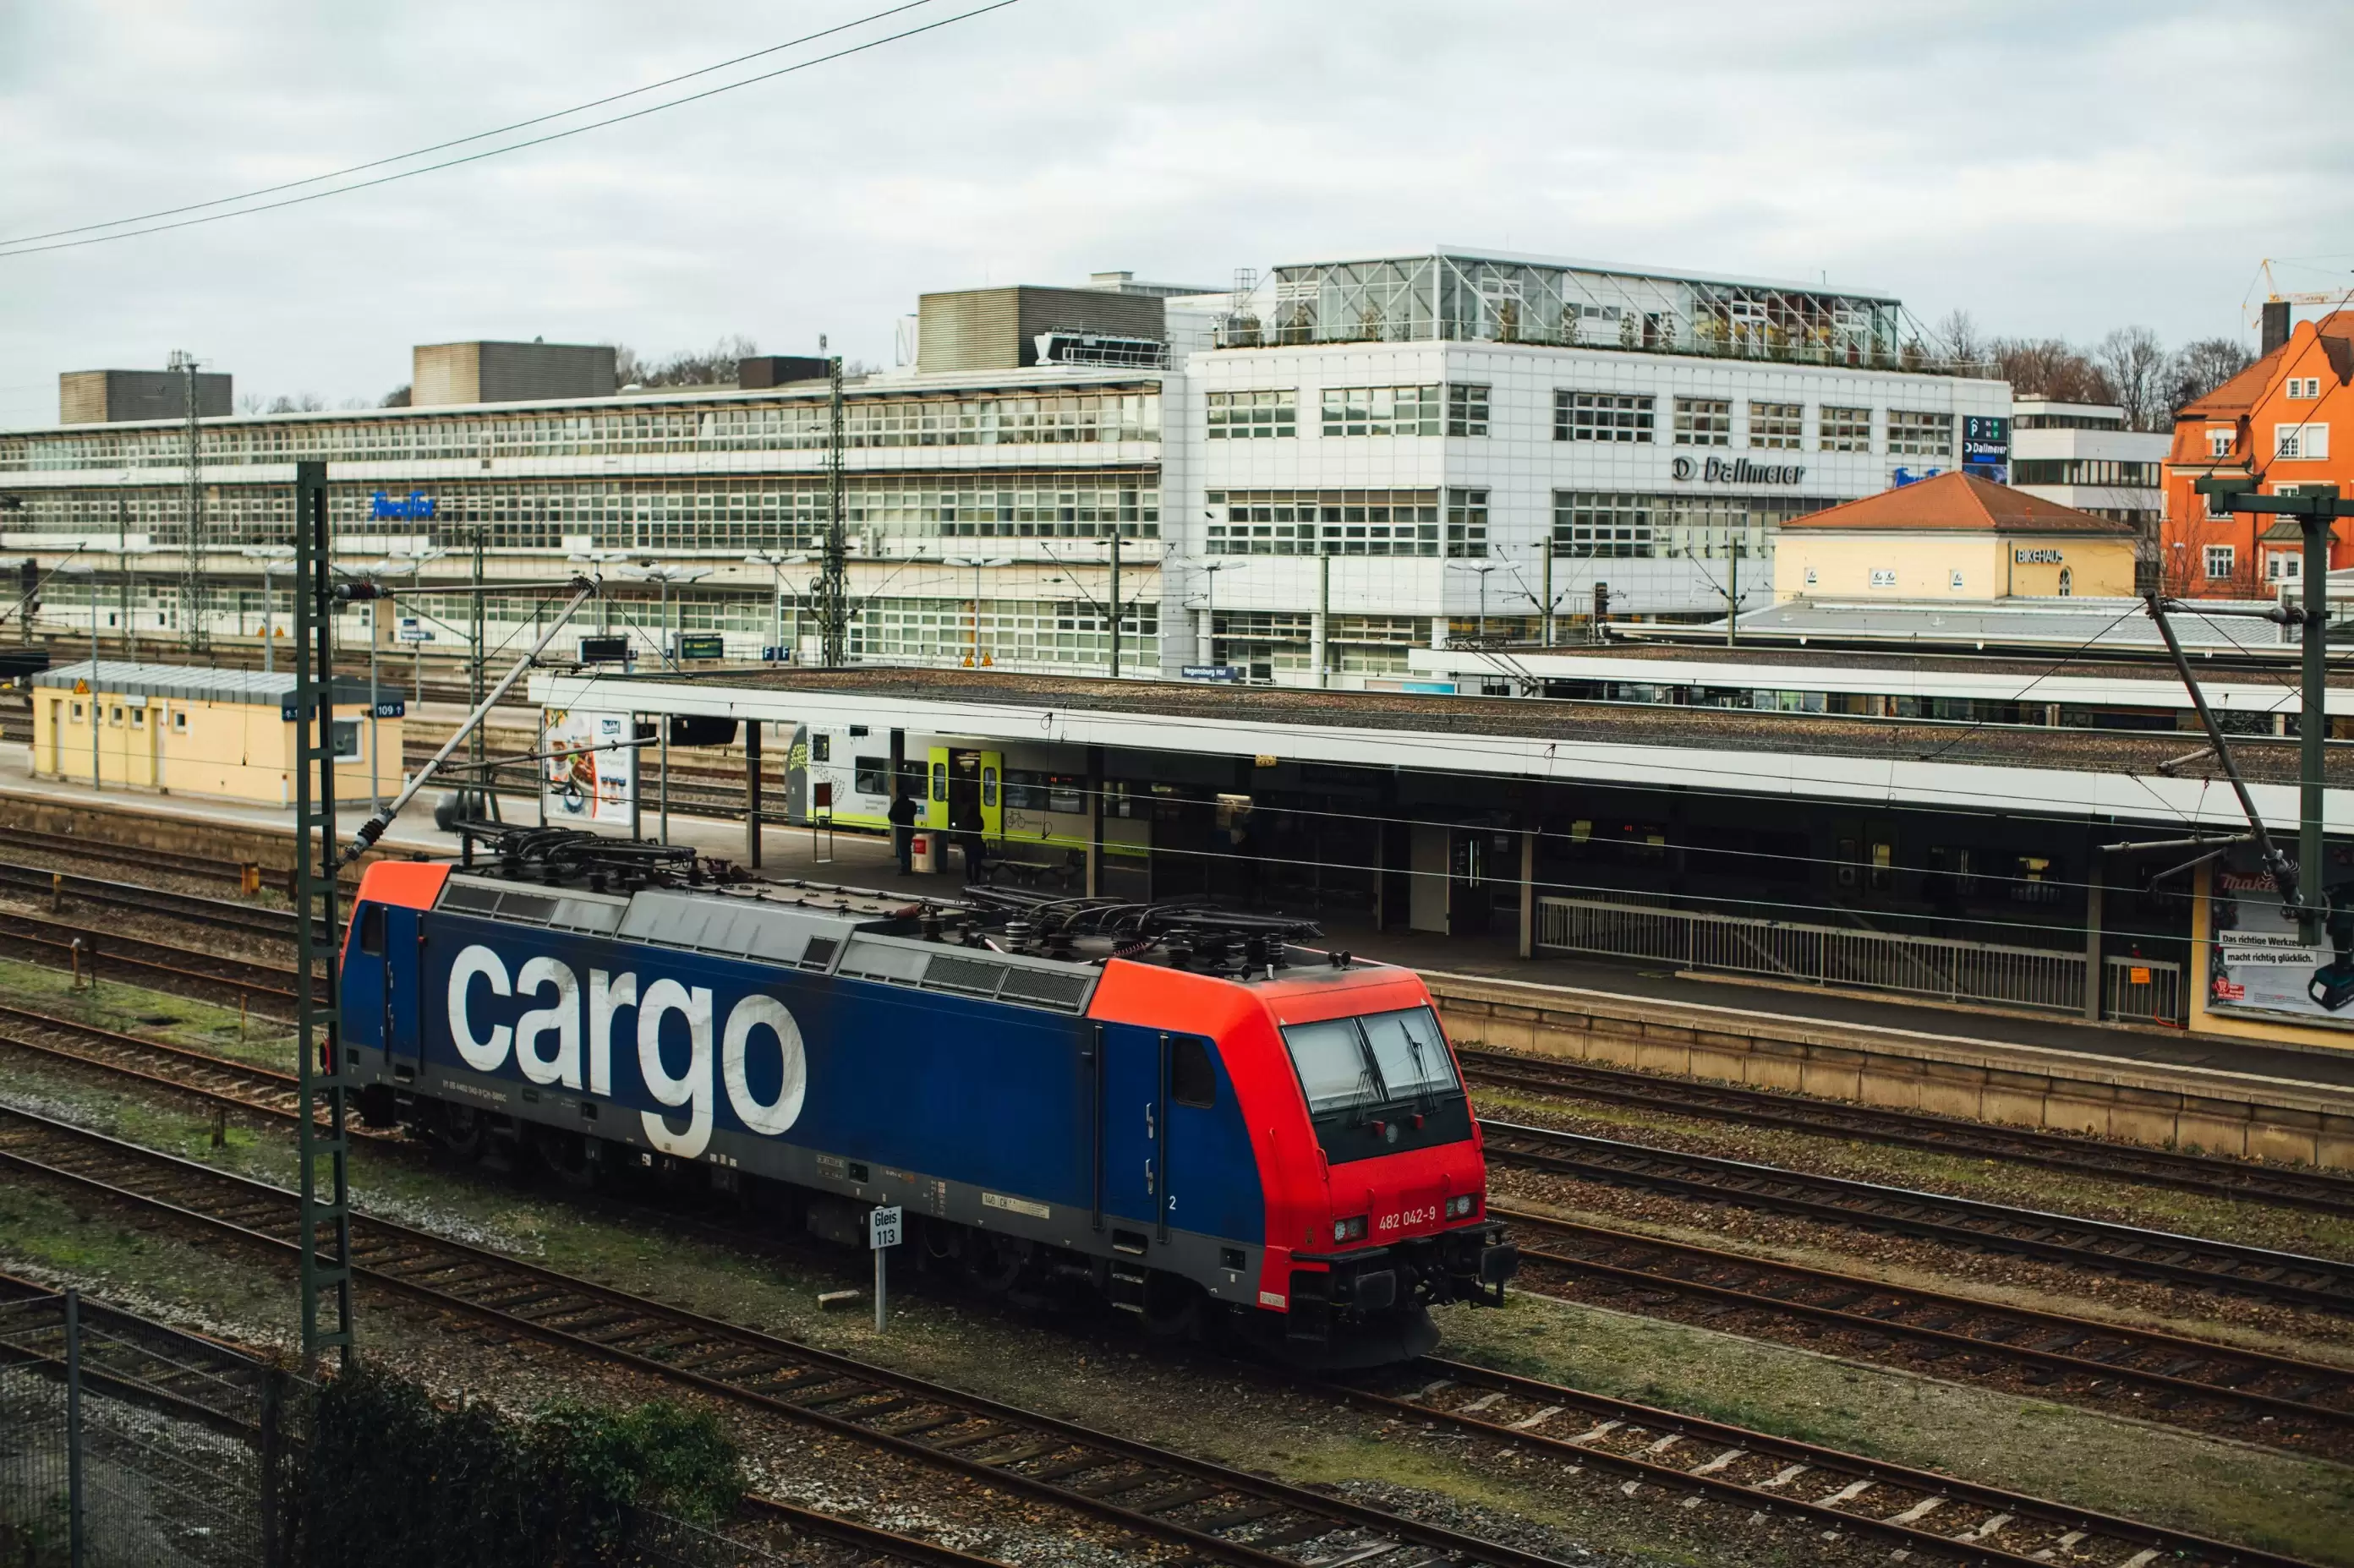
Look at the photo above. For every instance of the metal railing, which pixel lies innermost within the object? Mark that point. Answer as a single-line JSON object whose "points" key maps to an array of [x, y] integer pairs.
{"points": [[2143, 990], [1938, 967]]}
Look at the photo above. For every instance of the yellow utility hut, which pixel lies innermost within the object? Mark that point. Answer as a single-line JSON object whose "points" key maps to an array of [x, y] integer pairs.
{"points": [[185, 730], [1955, 536]]}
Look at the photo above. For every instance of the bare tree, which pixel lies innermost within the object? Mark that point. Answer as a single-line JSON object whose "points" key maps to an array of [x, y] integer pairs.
{"points": [[2200, 367], [714, 366], [251, 403], [2136, 365], [2049, 367], [1964, 342], [395, 399]]}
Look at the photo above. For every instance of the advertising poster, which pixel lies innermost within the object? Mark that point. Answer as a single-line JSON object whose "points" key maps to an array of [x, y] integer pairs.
{"points": [[589, 775], [2256, 965]]}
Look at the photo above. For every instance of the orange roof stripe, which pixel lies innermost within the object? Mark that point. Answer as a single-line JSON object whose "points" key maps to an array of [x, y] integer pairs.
{"points": [[1957, 503]]}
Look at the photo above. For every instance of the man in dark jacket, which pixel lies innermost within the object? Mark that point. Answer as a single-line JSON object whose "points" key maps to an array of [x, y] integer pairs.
{"points": [[901, 816]]}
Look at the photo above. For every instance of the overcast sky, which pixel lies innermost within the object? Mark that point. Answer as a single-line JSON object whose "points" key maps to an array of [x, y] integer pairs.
{"points": [[2055, 168]]}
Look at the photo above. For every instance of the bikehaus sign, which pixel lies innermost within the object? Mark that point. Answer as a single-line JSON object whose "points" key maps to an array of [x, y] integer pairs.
{"points": [[1737, 470]]}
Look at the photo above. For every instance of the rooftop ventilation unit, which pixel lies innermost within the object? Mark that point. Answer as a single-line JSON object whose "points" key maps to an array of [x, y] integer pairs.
{"points": [[1068, 347]]}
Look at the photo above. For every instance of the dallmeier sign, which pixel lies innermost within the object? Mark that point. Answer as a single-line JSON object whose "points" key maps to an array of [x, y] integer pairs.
{"points": [[1737, 470], [2036, 557]]}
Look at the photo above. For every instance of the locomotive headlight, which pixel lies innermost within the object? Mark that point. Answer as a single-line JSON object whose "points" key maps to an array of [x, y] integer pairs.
{"points": [[1463, 1207], [1349, 1230]]}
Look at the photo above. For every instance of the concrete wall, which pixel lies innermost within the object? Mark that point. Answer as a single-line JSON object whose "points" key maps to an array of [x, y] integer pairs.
{"points": [[238, 751], [1984, 1081]]}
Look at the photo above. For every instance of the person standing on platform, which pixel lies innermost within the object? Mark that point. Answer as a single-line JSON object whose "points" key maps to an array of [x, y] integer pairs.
{"points": [[902, 830]]}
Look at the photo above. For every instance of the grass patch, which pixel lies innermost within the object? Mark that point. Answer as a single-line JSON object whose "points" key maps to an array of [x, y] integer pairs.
{"points": [[2278, 1502], [152, 1014]]}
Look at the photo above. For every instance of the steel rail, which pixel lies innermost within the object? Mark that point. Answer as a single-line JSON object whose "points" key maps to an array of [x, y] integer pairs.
{"points": [[277, 923], [88, 848], [1823, 1487], [130, 1362], [2220, 1176], [1211, 1509], [1968, 1222], [2231, 1383], [165, 962]]}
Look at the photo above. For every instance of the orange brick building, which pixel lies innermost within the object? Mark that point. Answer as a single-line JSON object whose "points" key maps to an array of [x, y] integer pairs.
{"points": [[2271, 422]]}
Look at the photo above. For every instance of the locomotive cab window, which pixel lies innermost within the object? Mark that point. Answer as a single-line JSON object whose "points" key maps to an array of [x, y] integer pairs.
{"points": [[1380, 1084], [1191, 1080], [372, 928]]}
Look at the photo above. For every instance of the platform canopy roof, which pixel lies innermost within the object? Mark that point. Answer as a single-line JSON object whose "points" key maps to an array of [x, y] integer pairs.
{"points": [[1948, 766]]}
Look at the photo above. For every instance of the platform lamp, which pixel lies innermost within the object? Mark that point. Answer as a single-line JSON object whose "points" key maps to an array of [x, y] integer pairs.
{"points": [[665, 576], [1210, 570], [273, 559], [603, 558], [84, 569], [977, 562], [776, 561], [1483, 571]]}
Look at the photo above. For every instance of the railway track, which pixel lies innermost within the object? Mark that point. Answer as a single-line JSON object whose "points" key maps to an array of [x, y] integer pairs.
{"points": [[2096, 1244], [2245, 1180], [218, 1383], [82, 847], [161, 966], [2278, 1401], [1209, 1512], [1694, 1461], [2300, 1405], [216, 913]]}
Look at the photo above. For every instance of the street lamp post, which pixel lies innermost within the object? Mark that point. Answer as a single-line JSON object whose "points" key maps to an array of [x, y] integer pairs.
{"points": [[977, 562], [1483, 571], [776, 561], [273, 559], [391, 567], [1210, 569]]}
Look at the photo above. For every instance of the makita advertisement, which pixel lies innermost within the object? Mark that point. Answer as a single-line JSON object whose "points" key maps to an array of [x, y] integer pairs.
{"points": [[2257, 964]]}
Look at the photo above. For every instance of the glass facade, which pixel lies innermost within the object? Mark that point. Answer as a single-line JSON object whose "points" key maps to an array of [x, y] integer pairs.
{"points": [[1481, 299], [701, 426], [1601, 417], [1606, 525], [786, 511], [1326, 522]]}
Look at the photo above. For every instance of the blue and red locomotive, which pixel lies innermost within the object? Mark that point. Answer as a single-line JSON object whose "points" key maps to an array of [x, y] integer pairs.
{"points": [[1177, 1108]]}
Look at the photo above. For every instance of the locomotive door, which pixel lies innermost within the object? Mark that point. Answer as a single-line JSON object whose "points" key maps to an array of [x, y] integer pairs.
{"points": [[1128, 1152], [403, 972]]}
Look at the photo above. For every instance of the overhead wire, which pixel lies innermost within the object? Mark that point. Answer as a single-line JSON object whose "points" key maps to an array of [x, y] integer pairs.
{"points": [[463, 141], [8, 251]]}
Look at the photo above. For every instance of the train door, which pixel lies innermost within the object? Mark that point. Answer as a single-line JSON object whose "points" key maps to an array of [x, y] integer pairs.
{"points": [[936, 796], [368, 989], [1426, 894], [993, 795], [404, 964], [1128, 1145], [1469, 899]]}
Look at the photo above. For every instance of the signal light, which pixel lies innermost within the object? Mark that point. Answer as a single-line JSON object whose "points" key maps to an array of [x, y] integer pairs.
{"points": [[1349, 1230]]}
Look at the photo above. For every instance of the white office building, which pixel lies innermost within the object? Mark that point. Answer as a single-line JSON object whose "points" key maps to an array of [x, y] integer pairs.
{"points": [[2082, 455], [1306, 476]]}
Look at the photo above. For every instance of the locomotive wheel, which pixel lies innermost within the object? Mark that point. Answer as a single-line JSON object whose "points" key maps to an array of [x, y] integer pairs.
{"points": [[1172, 1306], [994, 1263], [462, 1130]]}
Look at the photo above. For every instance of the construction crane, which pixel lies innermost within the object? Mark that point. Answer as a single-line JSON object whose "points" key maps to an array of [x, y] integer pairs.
{"points": [[2338, 300]]}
